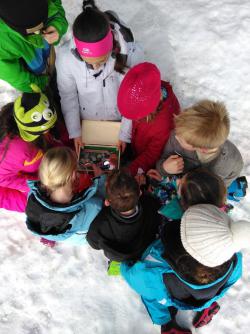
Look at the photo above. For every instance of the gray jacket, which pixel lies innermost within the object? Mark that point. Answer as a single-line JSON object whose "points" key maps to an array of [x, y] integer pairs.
{"points": [[228, 164]]}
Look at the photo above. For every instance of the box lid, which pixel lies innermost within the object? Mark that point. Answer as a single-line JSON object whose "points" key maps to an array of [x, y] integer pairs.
{"points": [[100, 132]]}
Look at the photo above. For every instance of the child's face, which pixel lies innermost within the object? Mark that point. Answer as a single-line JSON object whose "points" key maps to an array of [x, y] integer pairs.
{"points": [[184, 144], [96, 62]]}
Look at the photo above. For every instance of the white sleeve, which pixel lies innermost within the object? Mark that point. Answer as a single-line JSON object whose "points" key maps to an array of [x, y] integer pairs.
{"points": [[125, 130], [69, 96], [135, 55]]}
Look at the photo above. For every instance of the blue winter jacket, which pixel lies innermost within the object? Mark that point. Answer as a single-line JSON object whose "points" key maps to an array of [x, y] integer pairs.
{"points": [[81, 211], [146, 278]]}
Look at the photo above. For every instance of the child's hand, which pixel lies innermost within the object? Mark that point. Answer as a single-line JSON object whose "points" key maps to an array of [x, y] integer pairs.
{"points": [[141, 179], [174, 164], [154, 174], [97, 170], [50, 34], [78, 143], [121, 145]]}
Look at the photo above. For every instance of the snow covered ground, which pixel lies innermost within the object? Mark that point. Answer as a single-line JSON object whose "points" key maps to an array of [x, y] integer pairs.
{"points": [[202, 47]]}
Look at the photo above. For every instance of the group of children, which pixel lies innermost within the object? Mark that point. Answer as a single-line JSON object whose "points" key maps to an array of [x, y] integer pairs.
{"points": [[165, 230]]}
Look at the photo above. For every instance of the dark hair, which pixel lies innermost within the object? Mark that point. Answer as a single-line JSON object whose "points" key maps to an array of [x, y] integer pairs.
{"points": [[92, 25], [8, 126], [183, 263], [120, 63], [200, 186], [122, 191], [197, 273]]}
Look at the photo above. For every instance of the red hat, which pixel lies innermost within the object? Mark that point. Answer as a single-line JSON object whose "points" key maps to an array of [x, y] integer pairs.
{"points": [[140, 91]]}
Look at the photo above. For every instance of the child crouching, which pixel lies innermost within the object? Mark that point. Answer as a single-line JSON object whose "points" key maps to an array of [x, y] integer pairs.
{"points": [[194, 262], [57, 209], [190, 268], [129, 221], [151, 105], [200, 139]]}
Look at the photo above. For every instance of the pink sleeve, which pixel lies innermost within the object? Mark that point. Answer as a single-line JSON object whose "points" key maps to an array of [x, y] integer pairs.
{"points": [[32, 161], [11, 199], [21, 163], [19, 181]]}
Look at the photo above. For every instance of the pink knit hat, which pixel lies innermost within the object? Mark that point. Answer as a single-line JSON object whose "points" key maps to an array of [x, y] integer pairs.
{"points": [[140, 91]]}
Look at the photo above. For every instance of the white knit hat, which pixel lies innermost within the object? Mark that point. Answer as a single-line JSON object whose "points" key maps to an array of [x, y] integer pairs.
{"points": [[210, 236]]}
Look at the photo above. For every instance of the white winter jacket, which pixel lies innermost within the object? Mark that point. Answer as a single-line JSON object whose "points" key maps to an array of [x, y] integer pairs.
{"points": [[86, 96]]}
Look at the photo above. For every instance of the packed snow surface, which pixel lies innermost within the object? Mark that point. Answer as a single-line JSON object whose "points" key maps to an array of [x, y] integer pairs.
{"points": [[202, 47]]}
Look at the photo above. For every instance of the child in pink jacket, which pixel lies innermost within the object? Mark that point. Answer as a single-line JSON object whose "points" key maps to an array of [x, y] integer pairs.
{"points": [[23, 125]]}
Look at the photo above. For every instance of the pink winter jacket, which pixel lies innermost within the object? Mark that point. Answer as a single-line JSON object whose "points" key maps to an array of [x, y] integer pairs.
{"points": [[19, 162]]}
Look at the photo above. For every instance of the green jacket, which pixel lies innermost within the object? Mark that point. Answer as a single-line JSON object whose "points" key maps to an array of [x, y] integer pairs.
{"points": [[23, 58]]}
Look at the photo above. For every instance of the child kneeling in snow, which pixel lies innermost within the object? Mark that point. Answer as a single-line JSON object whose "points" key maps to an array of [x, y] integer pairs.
{"points": [[190, 267], [199, 186], [24, 137], [200, 139], [151, 104], [57, 208], [128, 223], [193, 263]]}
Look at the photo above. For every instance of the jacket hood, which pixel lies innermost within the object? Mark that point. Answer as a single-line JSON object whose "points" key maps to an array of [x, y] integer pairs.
{"points": [[154, 254], [75, 204], [25, 14], [47, 218], [34, 39], [44, 221]]}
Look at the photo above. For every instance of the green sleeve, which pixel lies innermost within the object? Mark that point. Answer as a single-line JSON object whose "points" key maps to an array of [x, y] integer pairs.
{"points": [[15, 74], [57, 18]]}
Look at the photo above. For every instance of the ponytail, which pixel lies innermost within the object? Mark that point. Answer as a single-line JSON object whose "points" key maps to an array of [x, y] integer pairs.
{"points": [[120, 62], [92, 25], [89, 4]]}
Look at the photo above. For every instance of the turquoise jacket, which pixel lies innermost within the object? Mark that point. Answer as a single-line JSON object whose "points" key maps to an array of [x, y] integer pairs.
{"points": [[84, 208], [146, 278]]}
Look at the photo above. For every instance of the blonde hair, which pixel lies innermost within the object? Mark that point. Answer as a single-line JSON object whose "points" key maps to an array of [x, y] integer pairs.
{"points": [[57, 167], [204, 125]]}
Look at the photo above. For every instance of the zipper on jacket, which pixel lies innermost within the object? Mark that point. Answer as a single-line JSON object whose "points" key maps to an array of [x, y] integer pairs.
{"points": [[103, 95]]}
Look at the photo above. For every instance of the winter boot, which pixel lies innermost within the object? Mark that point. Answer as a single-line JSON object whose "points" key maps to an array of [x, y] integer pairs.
{"points": [[48, 243], [202, 318], [173, 328]]}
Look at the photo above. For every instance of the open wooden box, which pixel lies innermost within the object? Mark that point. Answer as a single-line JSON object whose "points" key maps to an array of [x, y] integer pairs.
{"points": [[100, 140]]}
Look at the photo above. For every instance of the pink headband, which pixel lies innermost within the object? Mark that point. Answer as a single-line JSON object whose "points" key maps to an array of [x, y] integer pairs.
{"points": [[95, 49]]}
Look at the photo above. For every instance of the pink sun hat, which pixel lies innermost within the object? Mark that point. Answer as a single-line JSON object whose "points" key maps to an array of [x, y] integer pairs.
{"points": [[95, 49]]}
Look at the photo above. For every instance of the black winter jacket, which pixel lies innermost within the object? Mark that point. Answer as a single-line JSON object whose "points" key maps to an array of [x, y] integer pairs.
{"points": [[123, 238]]}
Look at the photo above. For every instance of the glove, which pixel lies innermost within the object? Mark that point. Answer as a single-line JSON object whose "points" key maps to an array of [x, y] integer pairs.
{"points": [[237, 189]]}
